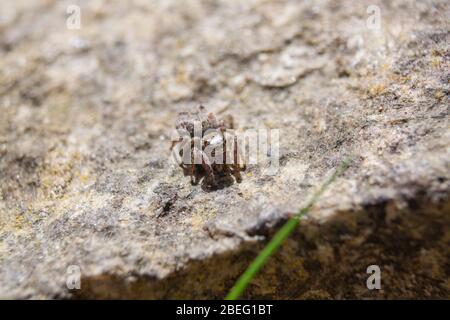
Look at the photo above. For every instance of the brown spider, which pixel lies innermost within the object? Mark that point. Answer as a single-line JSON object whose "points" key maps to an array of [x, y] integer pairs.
{"points": [[212, 146]]}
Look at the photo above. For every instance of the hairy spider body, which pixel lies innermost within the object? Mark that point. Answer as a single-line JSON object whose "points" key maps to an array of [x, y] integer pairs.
{"points": [[206, 139]]}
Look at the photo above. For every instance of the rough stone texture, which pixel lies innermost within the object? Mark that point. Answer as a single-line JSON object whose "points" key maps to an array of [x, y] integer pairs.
{"points": [[86, 119]]}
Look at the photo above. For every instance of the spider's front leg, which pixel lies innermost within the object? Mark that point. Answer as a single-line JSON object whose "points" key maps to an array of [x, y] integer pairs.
{"points": [[206, 164], [193, 170], [176, 153]]}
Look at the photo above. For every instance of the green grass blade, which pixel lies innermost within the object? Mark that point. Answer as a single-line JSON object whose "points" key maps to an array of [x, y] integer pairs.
{"points": [[279, 237]]}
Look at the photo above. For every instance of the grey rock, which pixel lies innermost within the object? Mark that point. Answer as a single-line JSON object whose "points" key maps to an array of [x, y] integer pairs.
{"points": [[86, 177]]}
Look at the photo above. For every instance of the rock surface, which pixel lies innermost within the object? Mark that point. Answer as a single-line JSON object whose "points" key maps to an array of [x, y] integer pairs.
{"points": [[85, 126]]}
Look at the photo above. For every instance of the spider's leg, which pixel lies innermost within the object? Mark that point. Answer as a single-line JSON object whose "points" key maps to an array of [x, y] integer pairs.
{"points": [[176, 154], [193, 169], [224, 152], [206, 164], [193, 174]]}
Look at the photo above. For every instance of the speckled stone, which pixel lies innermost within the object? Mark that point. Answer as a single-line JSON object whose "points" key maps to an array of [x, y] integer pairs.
{"points": [[85, 127]]}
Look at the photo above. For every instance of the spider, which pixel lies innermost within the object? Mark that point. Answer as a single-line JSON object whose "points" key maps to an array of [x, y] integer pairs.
{"points": [[212, 146]]}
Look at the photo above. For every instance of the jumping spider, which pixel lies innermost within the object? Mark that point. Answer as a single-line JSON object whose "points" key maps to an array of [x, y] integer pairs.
{"points": [[206, 139]]}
